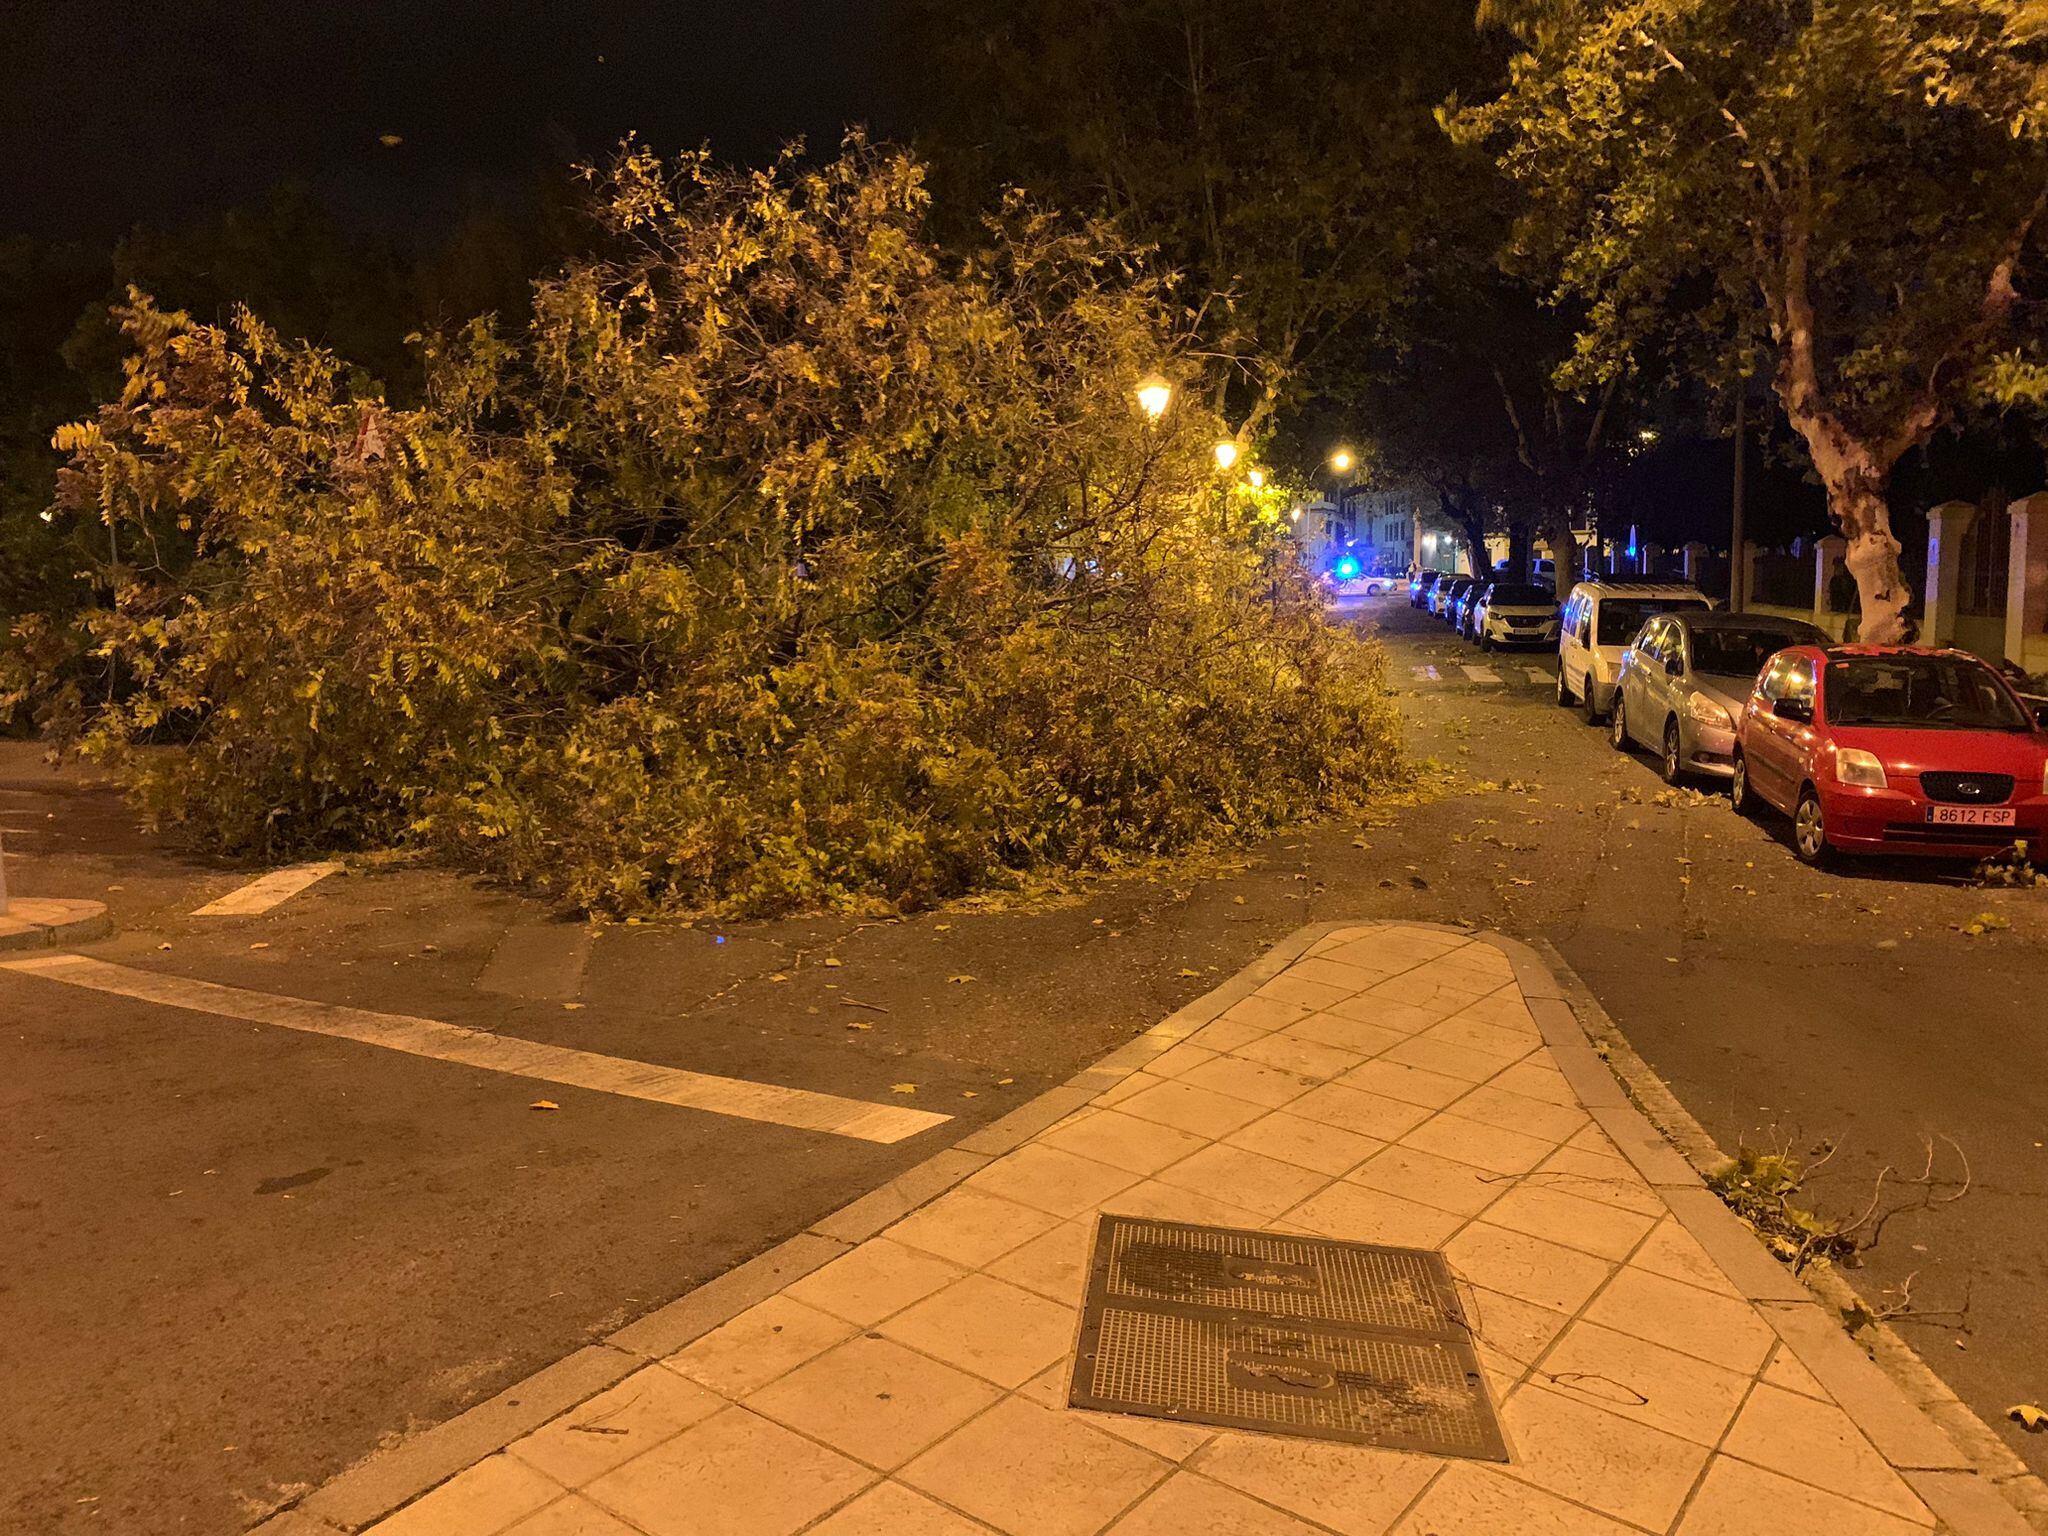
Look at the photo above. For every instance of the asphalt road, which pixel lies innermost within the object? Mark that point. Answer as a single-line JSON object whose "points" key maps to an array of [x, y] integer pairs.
{"points": [[244, 1257]]}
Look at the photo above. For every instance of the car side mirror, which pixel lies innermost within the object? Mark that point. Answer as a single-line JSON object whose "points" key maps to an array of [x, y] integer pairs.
{"points": [[1794, 709]]}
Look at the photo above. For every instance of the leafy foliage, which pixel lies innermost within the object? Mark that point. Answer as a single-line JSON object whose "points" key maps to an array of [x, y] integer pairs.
{"points": [[785, 560]]}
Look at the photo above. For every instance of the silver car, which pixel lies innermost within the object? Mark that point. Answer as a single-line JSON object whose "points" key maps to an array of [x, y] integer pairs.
{"points": [[1684, 681]]}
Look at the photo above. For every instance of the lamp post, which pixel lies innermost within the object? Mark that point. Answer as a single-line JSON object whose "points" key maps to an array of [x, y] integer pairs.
{"points": [[1155, 394]]}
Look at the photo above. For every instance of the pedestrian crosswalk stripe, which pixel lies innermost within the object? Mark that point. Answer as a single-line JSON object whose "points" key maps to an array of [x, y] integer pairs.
{"points": [[797, 1107], [1538, 675], [1426, 674], [1482, 674], [266, 891]]}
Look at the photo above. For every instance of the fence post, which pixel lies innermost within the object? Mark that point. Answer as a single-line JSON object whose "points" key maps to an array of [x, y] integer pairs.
{"points": [[2026, 583], [3, 877], [1947, 526]]}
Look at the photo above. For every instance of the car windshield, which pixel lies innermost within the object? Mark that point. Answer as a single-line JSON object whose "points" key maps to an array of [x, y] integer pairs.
{"points": [[1621, 617], [1737, 652], [1505, 596], [1940, 692]]}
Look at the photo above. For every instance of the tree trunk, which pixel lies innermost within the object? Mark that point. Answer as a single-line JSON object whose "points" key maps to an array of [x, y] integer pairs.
{"points": [[1556, 528], [1858, 503]]}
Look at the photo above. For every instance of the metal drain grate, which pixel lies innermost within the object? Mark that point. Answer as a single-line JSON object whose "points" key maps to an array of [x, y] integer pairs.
{"points": [[1299, 1335]]}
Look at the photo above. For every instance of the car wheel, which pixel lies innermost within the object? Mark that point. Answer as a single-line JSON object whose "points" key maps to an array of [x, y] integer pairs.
{"points": [[1564, 694], [1740, 795], [1617, 726], [1674, 769], [1485, 641], [1586, 704], [1809, 829]]}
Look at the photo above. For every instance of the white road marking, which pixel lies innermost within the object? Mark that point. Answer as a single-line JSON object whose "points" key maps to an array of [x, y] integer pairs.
{"points": [[1482, 674], [1425, 674], [796, 1107], [1538, 675], [266, 891]]}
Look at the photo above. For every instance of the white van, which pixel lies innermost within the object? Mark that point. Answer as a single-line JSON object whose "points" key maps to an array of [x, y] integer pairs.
{"points": [[1600, 620]]}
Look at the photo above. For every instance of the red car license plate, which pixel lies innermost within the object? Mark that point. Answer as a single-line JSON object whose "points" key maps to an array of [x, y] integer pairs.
{"points": [[1970, 815]]}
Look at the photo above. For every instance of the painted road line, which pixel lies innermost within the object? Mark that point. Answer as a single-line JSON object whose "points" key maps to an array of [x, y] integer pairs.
{"points": [[1425, 674], [1538, 675], [1482, 674], [267, 891], [796, 1107]]}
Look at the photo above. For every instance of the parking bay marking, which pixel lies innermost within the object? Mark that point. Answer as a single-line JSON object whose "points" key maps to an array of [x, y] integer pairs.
{"points": [[1482, 674], [266, 891], [799, 1108]]}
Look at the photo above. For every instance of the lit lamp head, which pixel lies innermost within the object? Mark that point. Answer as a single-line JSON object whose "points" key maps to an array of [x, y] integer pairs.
{"points": [[1257, 477], [1295, 514], [1155, 394], [1226, 451], [1343, 461]]}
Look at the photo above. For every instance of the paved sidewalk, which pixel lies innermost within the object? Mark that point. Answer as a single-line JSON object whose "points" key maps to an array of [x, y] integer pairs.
{"points": [[1653, 1369]]}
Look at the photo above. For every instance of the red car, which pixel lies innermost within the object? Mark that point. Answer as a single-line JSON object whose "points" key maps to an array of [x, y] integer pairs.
{"points": [[1892, 749]]}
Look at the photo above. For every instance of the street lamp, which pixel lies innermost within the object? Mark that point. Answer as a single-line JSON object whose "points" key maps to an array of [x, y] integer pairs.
{"points": [[1256, 476], [1343, 461], [1155, 394], [1226, 451]]}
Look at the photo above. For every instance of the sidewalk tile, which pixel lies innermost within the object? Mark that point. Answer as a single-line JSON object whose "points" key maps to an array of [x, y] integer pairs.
{"points": [[1440, 1181], [753, 1349], [878, 1278], [1355, 1214], [1644, 1381], [1450, 1060], [1421, 989], [1263, 1185], [1492, 1147], [478, 1502], [1574, 1171], [1168, 1438], [1411, 1085], [1816, 1443], [890, 1509], [971, 1228], [1396, 1018], [1051, 1180], [1188, 1107], [1253, 1081], [1187, 1503], [1054, 1264], [1516, 1331], [1786, 1371], [1351, 1489], [1261, 1011], [1537, 1080], [1176, 1061], [990, 1327], [1340, 973], [1288, 988], [708, 1481], [1123, 1141], [1477, 1035], [1736, 1499], [571, 1516], [1340, 1033], [1719, 1329], [1492, 1104], [1621, 1468], [1363, 1114], [1225, 1035], [1527, 1268], [1676, 1254], [616, 1425], [1306, 1143], [1032, 1471], [1301, 1058], [1471, 1500], [1169, 1202], [875, 1400], [1508, 1008], [1605, 1230]]}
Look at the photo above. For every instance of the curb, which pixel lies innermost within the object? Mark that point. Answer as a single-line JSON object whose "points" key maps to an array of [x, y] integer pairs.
{"points": [[398, 1474], [1893, 1395], [34, 922]]}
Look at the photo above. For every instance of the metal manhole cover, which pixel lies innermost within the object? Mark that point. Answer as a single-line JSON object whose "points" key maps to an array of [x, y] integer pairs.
{"points": [[1297, 1335]]}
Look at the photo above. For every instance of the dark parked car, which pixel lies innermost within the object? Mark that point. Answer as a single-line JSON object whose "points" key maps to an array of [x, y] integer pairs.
{"points": [[1420, 587]]}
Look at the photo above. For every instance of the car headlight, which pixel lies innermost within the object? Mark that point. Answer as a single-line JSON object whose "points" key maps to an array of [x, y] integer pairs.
{"points": [[1707, 712], [1855, 766]]}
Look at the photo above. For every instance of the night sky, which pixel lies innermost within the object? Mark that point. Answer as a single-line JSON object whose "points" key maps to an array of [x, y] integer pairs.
{"points": [[119, 111]]}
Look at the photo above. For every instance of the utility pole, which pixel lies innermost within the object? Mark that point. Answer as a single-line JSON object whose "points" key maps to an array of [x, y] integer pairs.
{"points": [[1738, 564]]}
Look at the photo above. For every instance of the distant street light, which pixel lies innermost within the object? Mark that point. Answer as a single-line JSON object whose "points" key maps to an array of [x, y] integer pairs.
{"points": [[1226, 451], [1343, 461], [1295, 514], [1256, 476], [1155, 394]]}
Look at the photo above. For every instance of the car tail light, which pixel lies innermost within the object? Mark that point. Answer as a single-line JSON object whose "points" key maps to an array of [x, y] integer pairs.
{"points": [[1855, 766]]}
